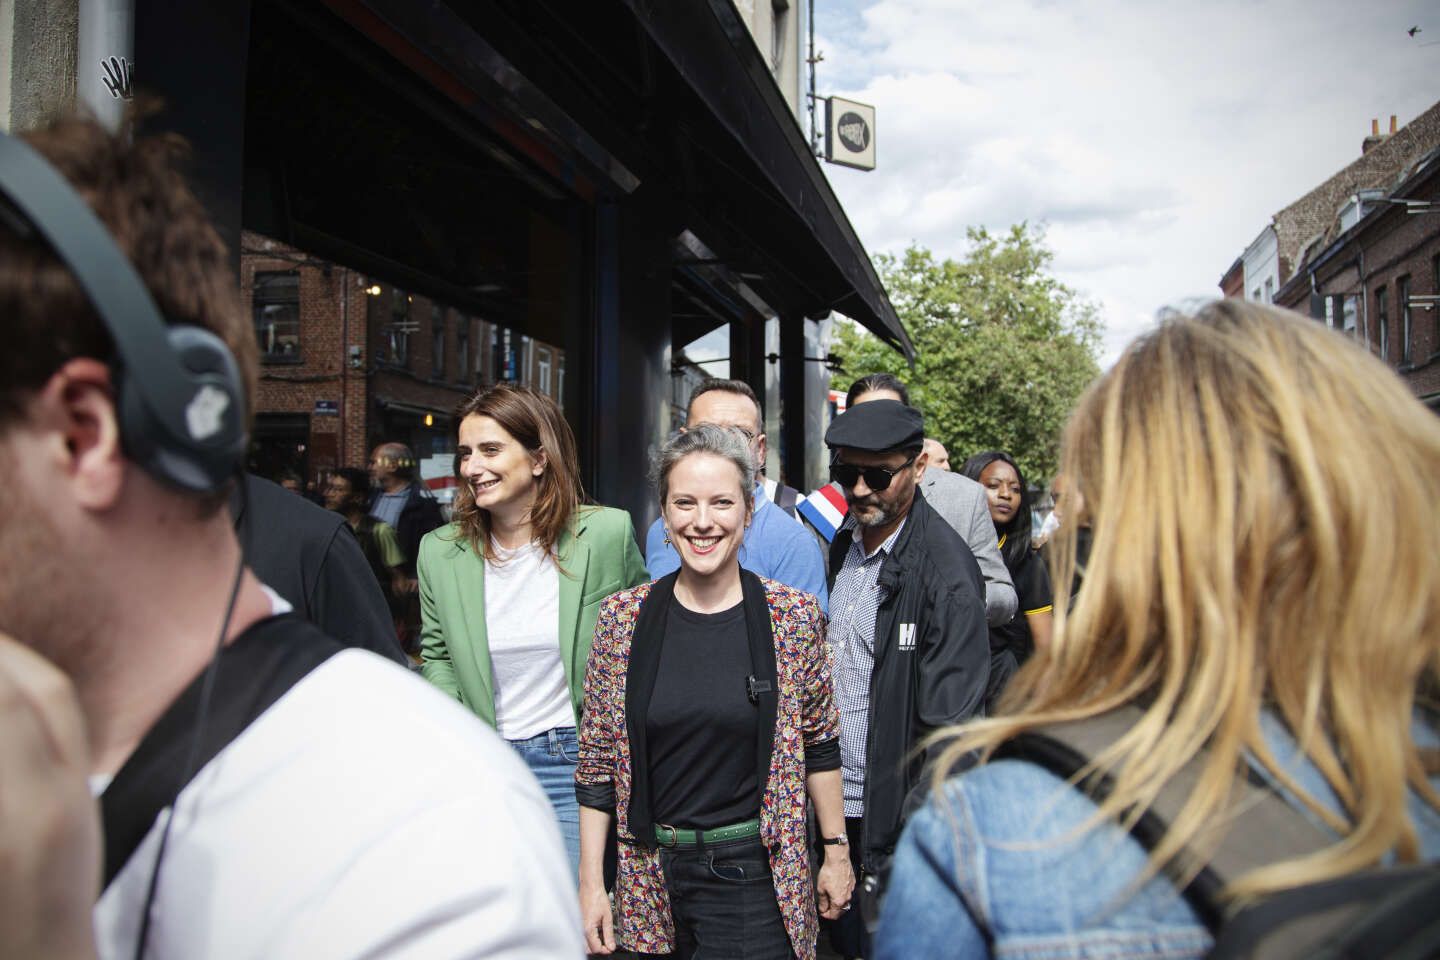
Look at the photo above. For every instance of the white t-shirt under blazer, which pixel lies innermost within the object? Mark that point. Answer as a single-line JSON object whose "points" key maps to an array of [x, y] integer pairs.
{"points": [[522, 626]]}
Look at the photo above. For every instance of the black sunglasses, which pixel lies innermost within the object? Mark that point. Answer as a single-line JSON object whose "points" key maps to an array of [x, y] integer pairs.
{"points": [[876, 478]]}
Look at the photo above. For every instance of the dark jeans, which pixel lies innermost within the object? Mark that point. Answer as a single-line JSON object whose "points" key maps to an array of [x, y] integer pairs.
{"points": [[848, 936], [722, 899]]}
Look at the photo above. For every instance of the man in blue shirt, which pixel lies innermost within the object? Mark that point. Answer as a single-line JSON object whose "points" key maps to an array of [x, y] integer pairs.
{"points": [[776, 545]]}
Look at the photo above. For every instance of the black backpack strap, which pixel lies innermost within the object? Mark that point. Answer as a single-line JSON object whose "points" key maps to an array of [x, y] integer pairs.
{"points": [[1266, 828], [255, 670], [1388, 912]]}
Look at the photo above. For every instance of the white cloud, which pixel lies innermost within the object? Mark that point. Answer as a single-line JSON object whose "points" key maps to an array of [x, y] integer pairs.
{"points": [[1153, 140]]}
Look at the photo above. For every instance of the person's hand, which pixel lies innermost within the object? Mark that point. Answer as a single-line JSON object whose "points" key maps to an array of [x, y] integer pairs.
{"points": [[836, 883], [597, 919], [49, 822]]}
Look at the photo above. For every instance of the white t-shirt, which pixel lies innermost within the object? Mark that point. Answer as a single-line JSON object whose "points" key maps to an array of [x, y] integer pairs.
{"points": [[363, 815], [522, 624]]}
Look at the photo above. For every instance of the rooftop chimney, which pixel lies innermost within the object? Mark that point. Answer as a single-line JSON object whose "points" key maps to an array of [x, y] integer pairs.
{"points": [[1375, 138], [1392, 123]]}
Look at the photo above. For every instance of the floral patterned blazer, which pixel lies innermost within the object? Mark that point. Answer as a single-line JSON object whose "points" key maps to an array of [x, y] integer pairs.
{"points": [[802, 706]]}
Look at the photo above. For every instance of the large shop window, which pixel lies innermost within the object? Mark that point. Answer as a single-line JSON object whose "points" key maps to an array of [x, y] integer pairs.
{"points": [[276, 309]]}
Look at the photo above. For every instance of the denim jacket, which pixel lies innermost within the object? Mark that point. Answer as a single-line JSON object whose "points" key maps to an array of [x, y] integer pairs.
{"points": [[1003, 866]]}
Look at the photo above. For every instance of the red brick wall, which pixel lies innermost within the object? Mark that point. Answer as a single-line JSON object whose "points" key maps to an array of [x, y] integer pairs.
{"points": [[324, 371]]}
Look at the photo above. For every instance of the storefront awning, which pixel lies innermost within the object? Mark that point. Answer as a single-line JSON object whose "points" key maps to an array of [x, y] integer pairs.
{"points": [[710, 47]]}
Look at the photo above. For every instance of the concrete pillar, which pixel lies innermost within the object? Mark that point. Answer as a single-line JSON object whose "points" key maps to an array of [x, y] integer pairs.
{"points": [[105, 58], [38, 40]]}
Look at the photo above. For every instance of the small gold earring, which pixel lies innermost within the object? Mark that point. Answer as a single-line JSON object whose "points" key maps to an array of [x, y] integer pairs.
{"points": [[667, 538]]}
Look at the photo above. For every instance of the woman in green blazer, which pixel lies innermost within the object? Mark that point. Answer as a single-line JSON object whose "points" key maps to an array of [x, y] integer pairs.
{"points": [[509, 592]]}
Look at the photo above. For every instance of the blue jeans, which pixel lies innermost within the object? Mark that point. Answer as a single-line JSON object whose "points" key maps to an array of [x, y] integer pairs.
{"points": [[552, 757]]}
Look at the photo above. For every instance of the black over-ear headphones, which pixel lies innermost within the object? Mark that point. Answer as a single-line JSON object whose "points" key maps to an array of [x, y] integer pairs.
{"points": [[178, 390]]}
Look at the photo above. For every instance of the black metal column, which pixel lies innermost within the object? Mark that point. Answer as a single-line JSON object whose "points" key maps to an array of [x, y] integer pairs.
{"points": [[792, 400], [632, 335], [193, 55]]}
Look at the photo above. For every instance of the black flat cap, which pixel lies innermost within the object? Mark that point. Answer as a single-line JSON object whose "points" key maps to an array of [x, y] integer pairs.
{"points": [[877, 426]]}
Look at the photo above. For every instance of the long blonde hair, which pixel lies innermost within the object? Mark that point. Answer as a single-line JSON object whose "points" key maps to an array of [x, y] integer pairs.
{"points": [[1262, 495]]}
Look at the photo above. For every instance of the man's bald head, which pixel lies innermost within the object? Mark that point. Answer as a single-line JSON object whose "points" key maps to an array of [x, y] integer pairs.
{"points": [[937, 455], [392, 466]]}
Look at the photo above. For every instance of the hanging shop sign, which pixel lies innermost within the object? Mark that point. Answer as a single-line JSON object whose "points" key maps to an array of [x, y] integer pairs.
{"points": [[850, 133]]}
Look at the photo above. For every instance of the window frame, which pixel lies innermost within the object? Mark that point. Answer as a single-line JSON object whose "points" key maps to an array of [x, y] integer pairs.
{"points": [[438, 321], [398, 331], [267, 354], [462, 348], [1407, 332], [1382, 321]]}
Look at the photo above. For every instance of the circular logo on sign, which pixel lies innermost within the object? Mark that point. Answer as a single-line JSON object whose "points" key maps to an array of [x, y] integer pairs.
{"points": [[853, 131]]}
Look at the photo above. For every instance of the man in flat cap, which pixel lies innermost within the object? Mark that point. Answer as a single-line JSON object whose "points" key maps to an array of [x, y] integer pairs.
{"points": [[907, 630]]}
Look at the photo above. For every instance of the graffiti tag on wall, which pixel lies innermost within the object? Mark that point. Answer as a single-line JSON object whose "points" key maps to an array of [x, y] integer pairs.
{"points": [[119, 76]]}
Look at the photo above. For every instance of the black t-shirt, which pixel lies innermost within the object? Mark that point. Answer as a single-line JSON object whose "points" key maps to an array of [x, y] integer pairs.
{"points": [[702, 728], [1032, 587]]}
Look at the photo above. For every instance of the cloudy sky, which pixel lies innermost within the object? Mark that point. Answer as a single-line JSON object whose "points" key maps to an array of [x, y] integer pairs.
{"points": [[1152, 139]]}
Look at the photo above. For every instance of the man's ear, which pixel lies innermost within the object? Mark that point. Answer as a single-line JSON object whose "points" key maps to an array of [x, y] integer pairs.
{"points": [[78, 405], [921, 462], [760, 451]]}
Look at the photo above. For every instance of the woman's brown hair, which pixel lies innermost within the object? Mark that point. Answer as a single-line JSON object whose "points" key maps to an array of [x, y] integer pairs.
{"points": [[536, 422]]}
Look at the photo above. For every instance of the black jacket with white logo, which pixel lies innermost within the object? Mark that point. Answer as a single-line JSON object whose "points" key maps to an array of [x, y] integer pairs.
{"points": [[932, 661]]}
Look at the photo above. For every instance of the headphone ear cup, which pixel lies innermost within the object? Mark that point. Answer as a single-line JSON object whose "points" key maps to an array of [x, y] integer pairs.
{"points": [[210, 453]]}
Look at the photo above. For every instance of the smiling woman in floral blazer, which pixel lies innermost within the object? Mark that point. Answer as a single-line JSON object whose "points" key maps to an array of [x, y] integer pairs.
{"points": [[708, 721]]}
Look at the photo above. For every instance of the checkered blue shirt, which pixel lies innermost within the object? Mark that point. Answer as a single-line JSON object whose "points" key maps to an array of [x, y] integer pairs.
{"points": [[854, 599]]}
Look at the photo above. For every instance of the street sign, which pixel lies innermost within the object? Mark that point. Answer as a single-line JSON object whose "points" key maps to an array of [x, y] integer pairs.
{"points": [[850, 133], [327, 408]]}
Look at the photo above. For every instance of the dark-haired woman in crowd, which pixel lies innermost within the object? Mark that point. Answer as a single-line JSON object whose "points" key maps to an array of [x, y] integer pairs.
{"points": [[510, 590], [1012, 643], [708, 723]]}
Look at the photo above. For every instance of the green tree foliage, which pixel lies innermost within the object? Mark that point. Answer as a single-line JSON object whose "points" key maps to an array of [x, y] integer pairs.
{"points": [[1002, 349]]}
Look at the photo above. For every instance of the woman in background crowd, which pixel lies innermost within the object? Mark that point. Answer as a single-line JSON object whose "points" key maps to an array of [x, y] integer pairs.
{"points": [[510, 590], [1260, 596], [708, 722], [1012, 643]]}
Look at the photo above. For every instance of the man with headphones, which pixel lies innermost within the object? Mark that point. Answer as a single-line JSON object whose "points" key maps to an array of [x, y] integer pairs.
{"points": [[263, 790]]}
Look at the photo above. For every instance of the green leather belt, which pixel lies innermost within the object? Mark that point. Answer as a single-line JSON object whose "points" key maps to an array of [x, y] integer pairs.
{"points": [[680, 837]]}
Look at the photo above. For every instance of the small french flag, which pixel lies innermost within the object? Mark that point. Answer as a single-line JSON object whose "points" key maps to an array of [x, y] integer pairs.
{"points": [[825, 509]]}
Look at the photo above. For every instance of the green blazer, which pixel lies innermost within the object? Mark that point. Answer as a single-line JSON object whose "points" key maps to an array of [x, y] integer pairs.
{"points": [[597, 557]]}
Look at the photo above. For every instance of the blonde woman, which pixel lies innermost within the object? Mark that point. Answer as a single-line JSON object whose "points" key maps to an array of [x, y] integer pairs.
{"points": [[1261, 590]]}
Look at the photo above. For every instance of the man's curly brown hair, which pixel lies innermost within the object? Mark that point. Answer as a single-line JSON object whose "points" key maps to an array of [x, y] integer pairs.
{"points": [[135, 188]]}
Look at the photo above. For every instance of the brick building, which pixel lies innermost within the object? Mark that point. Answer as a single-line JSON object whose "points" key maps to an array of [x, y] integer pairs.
{"points": [[1232, 283], [349, 361], [1378, 278], [1313, 221]]}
